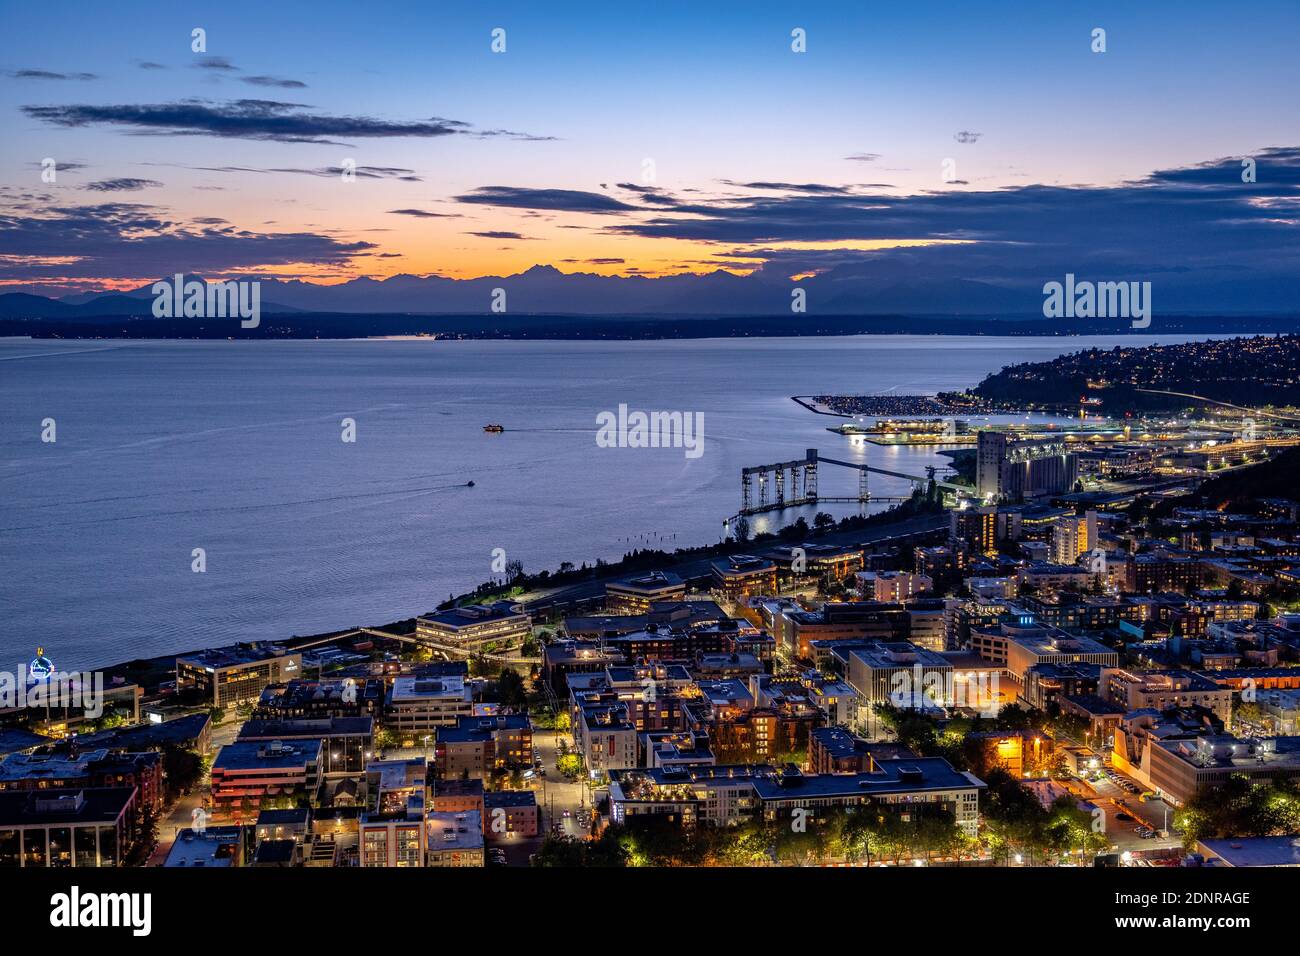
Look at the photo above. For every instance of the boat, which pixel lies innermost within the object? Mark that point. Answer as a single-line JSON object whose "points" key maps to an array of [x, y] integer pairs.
{"points": [[494, 428], [469, 484]]}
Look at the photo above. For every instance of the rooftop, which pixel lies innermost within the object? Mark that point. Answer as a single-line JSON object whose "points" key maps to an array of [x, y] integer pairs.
{"points": [[428, 688], [235, 655], [455, 831], [214, 847], [509, 798], [1254, 851], [905, 775], [90, 805], [243, 756], [458, 617]]}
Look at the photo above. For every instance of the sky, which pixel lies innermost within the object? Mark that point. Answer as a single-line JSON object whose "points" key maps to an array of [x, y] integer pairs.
{"points": [[957, 141]]}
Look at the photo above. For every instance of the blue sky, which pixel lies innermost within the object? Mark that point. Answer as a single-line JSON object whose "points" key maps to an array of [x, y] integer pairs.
{"points": [[1011, 95]]}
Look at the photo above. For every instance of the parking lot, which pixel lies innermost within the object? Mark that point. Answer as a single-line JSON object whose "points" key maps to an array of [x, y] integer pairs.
{"points": [[1134, 824]]}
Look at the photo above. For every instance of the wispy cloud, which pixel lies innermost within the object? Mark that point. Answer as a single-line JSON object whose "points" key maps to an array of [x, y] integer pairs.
{"points": [[49, 75], [424, 214], [215, 63], [562, 200], [123, 184], [251, 119], [273, 81], [137, 241]]}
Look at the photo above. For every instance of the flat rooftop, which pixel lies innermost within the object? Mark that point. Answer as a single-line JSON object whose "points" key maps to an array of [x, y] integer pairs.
{"points": [[906, 775], [454, 830], [19, 808], [235, 655], [428, 688], [892, 654], [180, 730], [215, 847], [510, 798], [260, 755], [458, 617], [1254, 851], [307, 727], [480, 728], [54, 766], [650, 582], [1226, 752], [742, 564]]}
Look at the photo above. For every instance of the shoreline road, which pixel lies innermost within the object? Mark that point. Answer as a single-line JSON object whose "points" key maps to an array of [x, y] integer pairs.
{"points": [[587, 590]]}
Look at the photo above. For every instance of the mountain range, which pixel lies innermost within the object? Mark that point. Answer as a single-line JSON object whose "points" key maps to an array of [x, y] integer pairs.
{"points": [[543, 289]]}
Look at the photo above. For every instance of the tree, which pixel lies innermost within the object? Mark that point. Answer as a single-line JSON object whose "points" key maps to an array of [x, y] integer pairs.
{"points": [[570, 765], [565, 851], [182, 768], [510, 688], [386, 738]]}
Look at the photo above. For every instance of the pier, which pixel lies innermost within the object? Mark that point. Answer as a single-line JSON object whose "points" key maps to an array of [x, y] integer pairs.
{"points": [[779, 484]]}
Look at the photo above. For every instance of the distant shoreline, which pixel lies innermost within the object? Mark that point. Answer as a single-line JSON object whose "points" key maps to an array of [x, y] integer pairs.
{"points": [[632, 328]]}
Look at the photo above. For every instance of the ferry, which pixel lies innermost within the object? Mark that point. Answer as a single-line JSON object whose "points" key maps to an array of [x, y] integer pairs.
{"points": [[494, 428]]}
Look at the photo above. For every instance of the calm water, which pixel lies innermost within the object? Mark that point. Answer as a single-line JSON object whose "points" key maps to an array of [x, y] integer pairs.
{"points": [[234, 447]]}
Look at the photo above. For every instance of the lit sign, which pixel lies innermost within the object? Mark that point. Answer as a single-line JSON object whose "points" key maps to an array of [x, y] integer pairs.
{"points": [[41, 666]]}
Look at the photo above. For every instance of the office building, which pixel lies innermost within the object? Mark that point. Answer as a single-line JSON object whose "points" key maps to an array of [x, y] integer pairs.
{"points": [[635, 595], [469, 628], [226, 676], [417, 706]]}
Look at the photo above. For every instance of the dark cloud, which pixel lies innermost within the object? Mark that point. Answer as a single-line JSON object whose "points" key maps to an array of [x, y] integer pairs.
{"points": [[495, 234], [966, 136], [149, 65], [424, 214], [62, 167], [48, 75], [560, 200], [650, 194], [814, 188], [215, 63], [138, 241], [361, 172], [322, 172], [863, 157], [123, 184], [250, 119], [274, 81], [1197, 218]]}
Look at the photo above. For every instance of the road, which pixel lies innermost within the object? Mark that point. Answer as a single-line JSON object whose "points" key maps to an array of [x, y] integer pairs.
{"points": [[181, 814], [700, 567], [554, 793]]}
